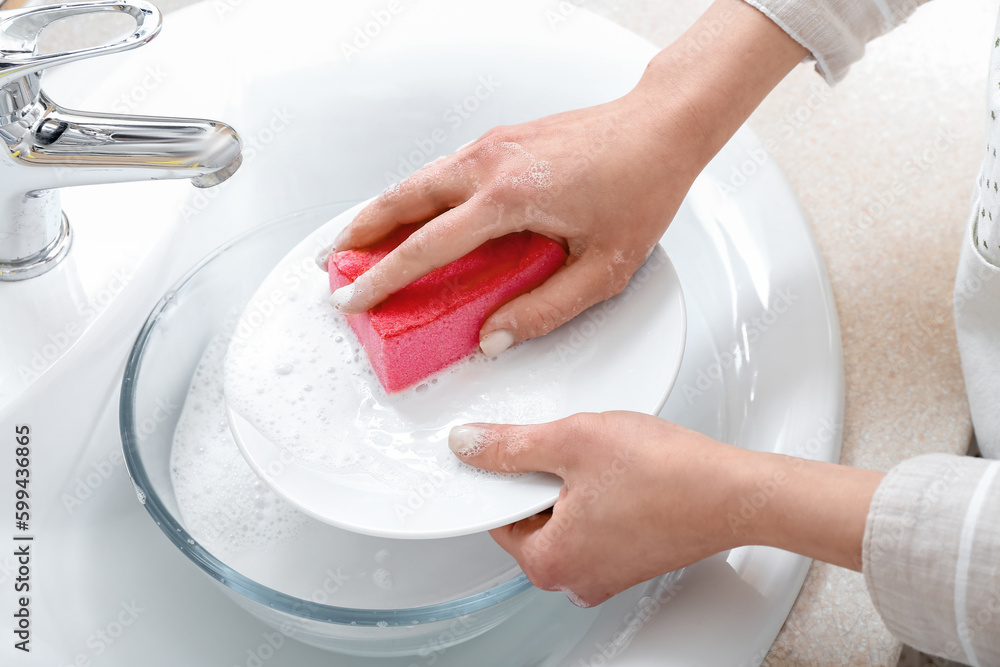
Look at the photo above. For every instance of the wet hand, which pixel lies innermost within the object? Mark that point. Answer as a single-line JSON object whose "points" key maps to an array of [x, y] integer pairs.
{"points": [[641, 496], [601, 181]]}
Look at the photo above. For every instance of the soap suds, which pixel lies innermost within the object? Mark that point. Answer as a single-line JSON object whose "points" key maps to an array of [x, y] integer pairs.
{"points": [[345, 423], [517, 440], [236, 517], [574, 598], [253, 516]]}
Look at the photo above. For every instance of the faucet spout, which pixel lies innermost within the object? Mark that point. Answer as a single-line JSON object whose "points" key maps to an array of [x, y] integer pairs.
{"points": [[44, 147], [81, 148], [50, 147]]}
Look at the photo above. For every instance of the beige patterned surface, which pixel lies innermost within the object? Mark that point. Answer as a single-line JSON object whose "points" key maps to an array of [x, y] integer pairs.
{"points": [[883, 165]]}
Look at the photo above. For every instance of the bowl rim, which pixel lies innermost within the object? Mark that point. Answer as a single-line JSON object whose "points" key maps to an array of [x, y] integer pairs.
{"points": [[209, 563]]}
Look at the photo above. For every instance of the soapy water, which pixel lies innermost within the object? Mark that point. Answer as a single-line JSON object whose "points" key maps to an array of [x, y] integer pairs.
{"points": [[303, 380], [202, 449], [236, 517]]}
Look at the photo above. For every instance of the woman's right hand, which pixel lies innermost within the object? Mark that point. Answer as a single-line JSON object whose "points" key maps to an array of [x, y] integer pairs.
{"points": [[604, 181]]}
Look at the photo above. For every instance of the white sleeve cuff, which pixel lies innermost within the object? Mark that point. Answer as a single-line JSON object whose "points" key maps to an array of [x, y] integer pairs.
{"points": [[836, 31], [931, 556]]}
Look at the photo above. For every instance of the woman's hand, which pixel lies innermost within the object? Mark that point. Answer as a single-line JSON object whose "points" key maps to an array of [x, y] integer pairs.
{"points": [[604, 181], [642, 496]]}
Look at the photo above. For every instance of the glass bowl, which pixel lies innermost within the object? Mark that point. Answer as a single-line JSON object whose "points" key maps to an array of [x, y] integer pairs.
{"points": [[202, 306]]}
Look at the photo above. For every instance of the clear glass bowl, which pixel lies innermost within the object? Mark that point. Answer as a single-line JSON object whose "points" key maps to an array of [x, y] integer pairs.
{"points": [[159, 369]]}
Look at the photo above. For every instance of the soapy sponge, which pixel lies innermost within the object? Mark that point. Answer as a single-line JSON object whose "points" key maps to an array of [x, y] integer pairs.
{"points": [[435, 321]]}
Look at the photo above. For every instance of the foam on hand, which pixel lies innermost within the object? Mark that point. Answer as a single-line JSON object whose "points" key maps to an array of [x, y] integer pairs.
{"points": [[435, 321]]}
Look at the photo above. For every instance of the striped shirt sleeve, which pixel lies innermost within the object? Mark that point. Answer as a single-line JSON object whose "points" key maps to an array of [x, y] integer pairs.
{"points": [[931, 556], [835, 31]]}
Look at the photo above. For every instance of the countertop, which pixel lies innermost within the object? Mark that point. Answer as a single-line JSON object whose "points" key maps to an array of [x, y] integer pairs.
{"points": [[883, 164]]}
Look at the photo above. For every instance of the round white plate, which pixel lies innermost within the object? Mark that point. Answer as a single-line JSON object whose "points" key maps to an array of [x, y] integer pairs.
{"points": [[315, 424]]}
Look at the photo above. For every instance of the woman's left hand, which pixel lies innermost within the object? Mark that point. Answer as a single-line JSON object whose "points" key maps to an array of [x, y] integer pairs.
{"points": [[642, 496]]}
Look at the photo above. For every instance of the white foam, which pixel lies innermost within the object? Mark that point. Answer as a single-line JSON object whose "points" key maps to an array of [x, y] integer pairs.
{"points": [[252, 516], [574, 598], [301, 378], [236, 517]]}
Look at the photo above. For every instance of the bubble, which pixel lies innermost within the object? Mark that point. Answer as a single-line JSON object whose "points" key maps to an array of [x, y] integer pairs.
{"points": [[382, 578], [283, 369]]}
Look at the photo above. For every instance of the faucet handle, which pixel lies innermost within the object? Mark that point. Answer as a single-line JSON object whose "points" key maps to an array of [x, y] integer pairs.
{"points": [[20, 64]]}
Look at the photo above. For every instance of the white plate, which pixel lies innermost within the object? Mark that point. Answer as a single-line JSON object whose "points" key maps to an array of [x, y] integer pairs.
{"points": [[345, 452]]}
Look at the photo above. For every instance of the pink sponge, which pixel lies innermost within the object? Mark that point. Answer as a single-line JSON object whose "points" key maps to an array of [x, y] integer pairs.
{"points": [[435, 321]]}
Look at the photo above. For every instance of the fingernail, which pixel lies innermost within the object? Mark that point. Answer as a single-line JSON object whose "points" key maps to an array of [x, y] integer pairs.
{"points": [[323, 258], [496, 342], [466, 440], [340, 242], [341, 298]]}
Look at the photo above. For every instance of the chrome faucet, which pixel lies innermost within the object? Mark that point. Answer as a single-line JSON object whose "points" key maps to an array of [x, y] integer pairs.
{"points": [[44, 147]]}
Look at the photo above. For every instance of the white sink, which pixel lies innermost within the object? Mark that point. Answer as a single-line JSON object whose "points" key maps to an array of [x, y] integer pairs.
{"points": [[327, 119]]}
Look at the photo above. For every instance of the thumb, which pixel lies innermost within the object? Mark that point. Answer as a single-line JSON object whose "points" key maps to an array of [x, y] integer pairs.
{"points": [[509, 449], [567, 293]]}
